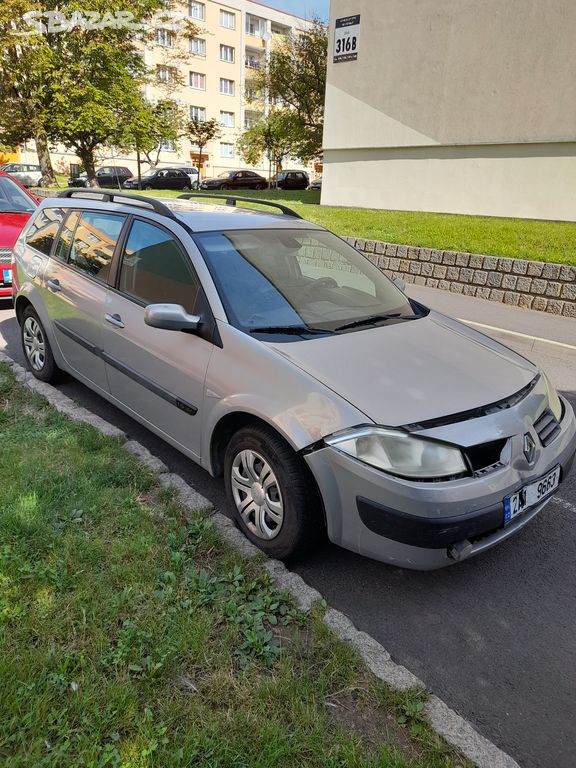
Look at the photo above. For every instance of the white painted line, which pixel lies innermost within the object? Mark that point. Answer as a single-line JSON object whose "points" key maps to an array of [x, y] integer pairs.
{"points": [[564, 504], [517, 333]]}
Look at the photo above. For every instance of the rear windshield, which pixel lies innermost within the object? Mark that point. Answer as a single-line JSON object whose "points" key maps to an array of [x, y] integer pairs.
{"points": [[13, 199]]}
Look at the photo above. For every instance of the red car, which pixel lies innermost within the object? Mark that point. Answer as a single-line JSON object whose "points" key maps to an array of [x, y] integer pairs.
{"points": [[16, 205]]}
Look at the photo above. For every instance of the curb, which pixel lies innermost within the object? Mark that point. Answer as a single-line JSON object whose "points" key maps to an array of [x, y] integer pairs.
{"points": [[455, 729]]}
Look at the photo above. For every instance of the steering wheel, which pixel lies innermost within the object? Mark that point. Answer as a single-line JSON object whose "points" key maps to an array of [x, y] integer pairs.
{"points": [[321, 282]]}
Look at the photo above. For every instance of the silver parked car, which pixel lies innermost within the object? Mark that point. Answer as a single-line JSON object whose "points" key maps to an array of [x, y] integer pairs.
{"points": [[269, 350], [27, 174]]}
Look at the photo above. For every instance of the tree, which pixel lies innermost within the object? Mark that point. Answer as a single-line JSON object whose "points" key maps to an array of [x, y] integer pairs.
{"points": [[273, 136], [295, 77], [200, 132], [81, 87], [153, 126]]}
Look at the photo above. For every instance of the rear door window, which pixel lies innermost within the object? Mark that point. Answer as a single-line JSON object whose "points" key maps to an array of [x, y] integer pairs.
{"points": [[155, 269], [44, 229], [94, 242]]}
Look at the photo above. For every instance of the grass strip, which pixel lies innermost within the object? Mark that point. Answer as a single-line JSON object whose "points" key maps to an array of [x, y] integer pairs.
{"points": [[131, 636]]}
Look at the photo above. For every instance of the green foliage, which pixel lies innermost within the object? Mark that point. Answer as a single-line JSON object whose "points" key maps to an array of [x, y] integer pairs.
{"points": [[200, 132], [272, 136], [295, 77], [81, 87], [151, 126]]}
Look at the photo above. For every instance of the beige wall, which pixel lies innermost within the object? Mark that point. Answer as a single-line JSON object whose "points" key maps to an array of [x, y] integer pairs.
{"points": [[464, 106], [528, 181]]}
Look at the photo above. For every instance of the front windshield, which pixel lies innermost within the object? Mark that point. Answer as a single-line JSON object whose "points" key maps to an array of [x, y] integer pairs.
{"points": [[225, 175], [13, 198], [300, 278]]}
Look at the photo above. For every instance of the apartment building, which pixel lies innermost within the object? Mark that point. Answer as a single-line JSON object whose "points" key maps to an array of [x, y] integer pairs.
{"points": [[460, 107], [209, 75]]}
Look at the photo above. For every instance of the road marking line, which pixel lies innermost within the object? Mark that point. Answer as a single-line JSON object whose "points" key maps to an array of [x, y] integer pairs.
{"points": [[564, 504], [517, 333]]}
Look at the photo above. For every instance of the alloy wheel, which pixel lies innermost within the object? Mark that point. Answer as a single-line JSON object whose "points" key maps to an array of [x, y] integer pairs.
{"points": [[34, 343]]}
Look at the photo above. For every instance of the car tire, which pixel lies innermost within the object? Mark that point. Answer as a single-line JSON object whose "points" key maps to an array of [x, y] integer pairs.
{"points": [[36, 348], [262, 186], [283, 515], [148, 187], [186, 188]]}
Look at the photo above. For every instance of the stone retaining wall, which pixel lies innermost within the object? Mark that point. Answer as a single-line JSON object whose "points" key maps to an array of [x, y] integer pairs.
{"points": [[544, 286]]}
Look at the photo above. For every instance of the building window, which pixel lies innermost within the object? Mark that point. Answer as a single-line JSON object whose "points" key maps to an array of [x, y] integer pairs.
{"points": [[255, 26], [226, 86], [197, 46], [165, 74], [226, 150], [198, 113], [168, 146], [196, 10], [165, 38], [227, 20], [227, 119], [251, 118], [253, 62], [198, 81], [227, 53]]}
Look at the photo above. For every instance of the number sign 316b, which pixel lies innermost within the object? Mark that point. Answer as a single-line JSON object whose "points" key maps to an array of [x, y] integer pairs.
{"points": [[346, 38]]}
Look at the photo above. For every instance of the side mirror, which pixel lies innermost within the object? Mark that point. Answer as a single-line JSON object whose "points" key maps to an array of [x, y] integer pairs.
{"points": [[170, 317], [399, 283]]}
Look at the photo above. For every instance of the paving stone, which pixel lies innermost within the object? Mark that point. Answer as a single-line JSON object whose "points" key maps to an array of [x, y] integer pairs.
{"points": [[436, 256], [519, 267], [462, 259], [555, 307], [415, 267], [425, 254], [413, 253], [383, 262], [512, 298], [525, 301], [380, 246], [420, 280], [483, 293], [439, 271], [569, 291], [476, 261], [490, 263], [569, 309], [568, 273], [524, 284], [466, 275], [494, 279], [444, 285], [456, 287], [480, 277], [391, 249], [551, 271], [509, 282], [470, 290], [427, 269], [496, 295], [540, 303], [535, 268], [393, 264], [449, 259], [404, 265], [505, 265], [402, 251], [431, 282], [453, 273], [539, 286], [553, 289]]}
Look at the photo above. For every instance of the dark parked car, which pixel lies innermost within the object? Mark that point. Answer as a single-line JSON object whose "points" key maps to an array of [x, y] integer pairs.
{"points": [[290, 180], [111, 176], [235, 180], [162, 178]]}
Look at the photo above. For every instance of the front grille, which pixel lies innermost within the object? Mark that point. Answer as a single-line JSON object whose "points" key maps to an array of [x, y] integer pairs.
{"points": [[547, 427], [5, 255]]}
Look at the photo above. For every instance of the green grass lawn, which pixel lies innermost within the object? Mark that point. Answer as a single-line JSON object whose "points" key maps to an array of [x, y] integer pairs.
{"points": [[515, 238], [131, 637]]}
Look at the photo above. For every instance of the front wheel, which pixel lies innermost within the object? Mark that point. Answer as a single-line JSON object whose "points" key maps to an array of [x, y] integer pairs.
{"points": [[36, 348], [185, 188], [275, 501]]}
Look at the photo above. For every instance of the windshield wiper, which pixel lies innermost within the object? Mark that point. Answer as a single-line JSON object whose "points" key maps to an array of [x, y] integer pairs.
{"points": [[373, 319], [297, 330]]}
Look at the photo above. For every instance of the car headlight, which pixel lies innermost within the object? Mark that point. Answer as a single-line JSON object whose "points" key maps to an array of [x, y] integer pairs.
{"points": [[554, 401], [400, 453]]}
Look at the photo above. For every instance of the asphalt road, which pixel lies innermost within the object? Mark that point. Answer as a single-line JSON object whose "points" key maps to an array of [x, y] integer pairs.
{"points": [[494, 636]]}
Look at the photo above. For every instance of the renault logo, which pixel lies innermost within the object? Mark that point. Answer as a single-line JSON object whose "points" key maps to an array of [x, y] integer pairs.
{"points": [[529, 447]]}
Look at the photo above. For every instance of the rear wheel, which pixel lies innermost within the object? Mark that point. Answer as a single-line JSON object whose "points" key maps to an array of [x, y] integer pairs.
{"points": [[275, 500], [36, 348]]}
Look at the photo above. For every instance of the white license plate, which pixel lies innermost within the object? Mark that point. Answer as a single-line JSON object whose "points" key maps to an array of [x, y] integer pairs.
{"points": [[530, 495], [7, 275]]}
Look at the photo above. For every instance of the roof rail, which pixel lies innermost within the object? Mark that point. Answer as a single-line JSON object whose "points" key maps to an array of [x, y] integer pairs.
{"points": [[108, 196], [233, 200]]}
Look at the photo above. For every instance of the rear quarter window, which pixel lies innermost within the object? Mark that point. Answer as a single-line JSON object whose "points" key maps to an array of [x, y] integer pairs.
{"points": [[44, 229]]}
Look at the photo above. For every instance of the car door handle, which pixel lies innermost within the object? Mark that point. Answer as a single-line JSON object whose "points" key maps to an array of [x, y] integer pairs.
{"points": [[54, 285], [114, 320]]}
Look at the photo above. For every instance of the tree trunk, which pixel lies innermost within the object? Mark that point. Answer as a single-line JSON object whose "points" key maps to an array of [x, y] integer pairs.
{"points": [[48, 177], [86, 155]]}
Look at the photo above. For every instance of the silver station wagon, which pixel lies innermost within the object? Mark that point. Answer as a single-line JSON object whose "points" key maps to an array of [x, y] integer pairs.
{"points": [[271, 352]]}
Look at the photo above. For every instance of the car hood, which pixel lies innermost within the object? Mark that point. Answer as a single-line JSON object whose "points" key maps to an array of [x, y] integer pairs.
{"points": [[412, 371], [11, 224], [213, 179]]}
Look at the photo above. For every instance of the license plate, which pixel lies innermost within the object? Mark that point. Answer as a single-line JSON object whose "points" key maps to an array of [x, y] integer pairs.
{"points": [[530, 495], [7, 275]]}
